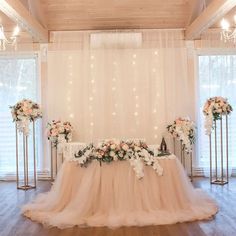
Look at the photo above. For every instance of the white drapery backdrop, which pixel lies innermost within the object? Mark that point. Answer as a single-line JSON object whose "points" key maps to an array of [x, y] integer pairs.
{"points": [[118, 84]]}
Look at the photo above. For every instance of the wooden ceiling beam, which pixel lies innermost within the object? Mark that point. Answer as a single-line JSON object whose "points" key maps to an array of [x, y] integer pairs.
{"points": [[215, 10], [16, 11]]}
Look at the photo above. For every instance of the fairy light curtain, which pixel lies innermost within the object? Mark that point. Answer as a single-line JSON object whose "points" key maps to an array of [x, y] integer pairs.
{"points": [[118, 84]]}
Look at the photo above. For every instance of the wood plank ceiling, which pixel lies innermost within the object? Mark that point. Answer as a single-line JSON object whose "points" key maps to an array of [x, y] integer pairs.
{"points": [[66, 15], [115, 14]]}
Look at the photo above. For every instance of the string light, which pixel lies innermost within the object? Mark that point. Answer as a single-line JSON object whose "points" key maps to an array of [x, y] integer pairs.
{"points": [[70, 82], [92, 91]]}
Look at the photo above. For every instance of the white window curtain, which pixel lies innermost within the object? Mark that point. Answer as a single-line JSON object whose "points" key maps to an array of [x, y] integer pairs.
{"points": [[217, 77], [118, 84], [18, 79]]}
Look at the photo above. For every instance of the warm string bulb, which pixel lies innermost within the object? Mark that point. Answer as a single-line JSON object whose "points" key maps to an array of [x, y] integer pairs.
{"points": [[16, 31], [225, 24]]}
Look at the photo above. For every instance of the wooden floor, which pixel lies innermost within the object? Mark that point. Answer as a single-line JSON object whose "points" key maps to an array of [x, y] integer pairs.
{"points": [[12, 223]]}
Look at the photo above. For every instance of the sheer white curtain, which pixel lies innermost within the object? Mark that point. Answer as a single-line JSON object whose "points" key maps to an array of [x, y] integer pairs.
{"points": [[217, 77], [118, 84], [18, 79]]}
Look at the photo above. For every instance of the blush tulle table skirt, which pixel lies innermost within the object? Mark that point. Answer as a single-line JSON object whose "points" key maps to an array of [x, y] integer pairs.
{"points": [[111, 195]]}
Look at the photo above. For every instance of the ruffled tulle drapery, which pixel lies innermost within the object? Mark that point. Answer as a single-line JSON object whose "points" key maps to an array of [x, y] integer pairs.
{"points": [[111, 195]]}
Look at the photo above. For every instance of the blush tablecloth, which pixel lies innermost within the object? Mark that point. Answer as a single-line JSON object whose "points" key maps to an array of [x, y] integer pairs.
{"points": [[111, 195]]}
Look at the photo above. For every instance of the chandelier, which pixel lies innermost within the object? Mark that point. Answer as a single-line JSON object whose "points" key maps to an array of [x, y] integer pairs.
{"points": [[12, 40], [228, 34]]}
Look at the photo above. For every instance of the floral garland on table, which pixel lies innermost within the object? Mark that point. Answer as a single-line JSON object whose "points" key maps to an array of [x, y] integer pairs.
{"points": [[59, 132], [136, 152], [24, 112], [213, 109], [184, 130]]}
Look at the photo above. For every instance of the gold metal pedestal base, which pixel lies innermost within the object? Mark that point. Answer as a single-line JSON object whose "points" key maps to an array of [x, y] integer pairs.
{"points": [[219, 182], [219, 161], [26, 187], [25, 161], [186, 159]]}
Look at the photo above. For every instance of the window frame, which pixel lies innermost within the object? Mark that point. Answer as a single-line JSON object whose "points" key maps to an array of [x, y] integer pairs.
{"points": [[32, 55], [205, 52]]}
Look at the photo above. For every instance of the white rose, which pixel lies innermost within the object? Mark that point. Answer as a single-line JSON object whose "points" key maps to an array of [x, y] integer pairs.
{"points": [[121, 154], [112, 154]]}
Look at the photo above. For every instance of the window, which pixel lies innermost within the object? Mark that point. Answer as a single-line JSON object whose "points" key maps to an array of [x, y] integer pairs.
{"points": [[18, 80], [217, 77]]}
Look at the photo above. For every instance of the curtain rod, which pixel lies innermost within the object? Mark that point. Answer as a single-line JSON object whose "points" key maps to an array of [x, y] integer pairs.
{"points": [[117, 30]]}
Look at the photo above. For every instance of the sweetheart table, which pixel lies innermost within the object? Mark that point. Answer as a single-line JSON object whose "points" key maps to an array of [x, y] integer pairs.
{"points": [[111, 195]]}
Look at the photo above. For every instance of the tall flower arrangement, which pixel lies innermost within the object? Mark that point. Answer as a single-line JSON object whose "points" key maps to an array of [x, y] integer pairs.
{"points": [[214, 109], [183, 129], [59, 131], [24, 112], [136, 152]]}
